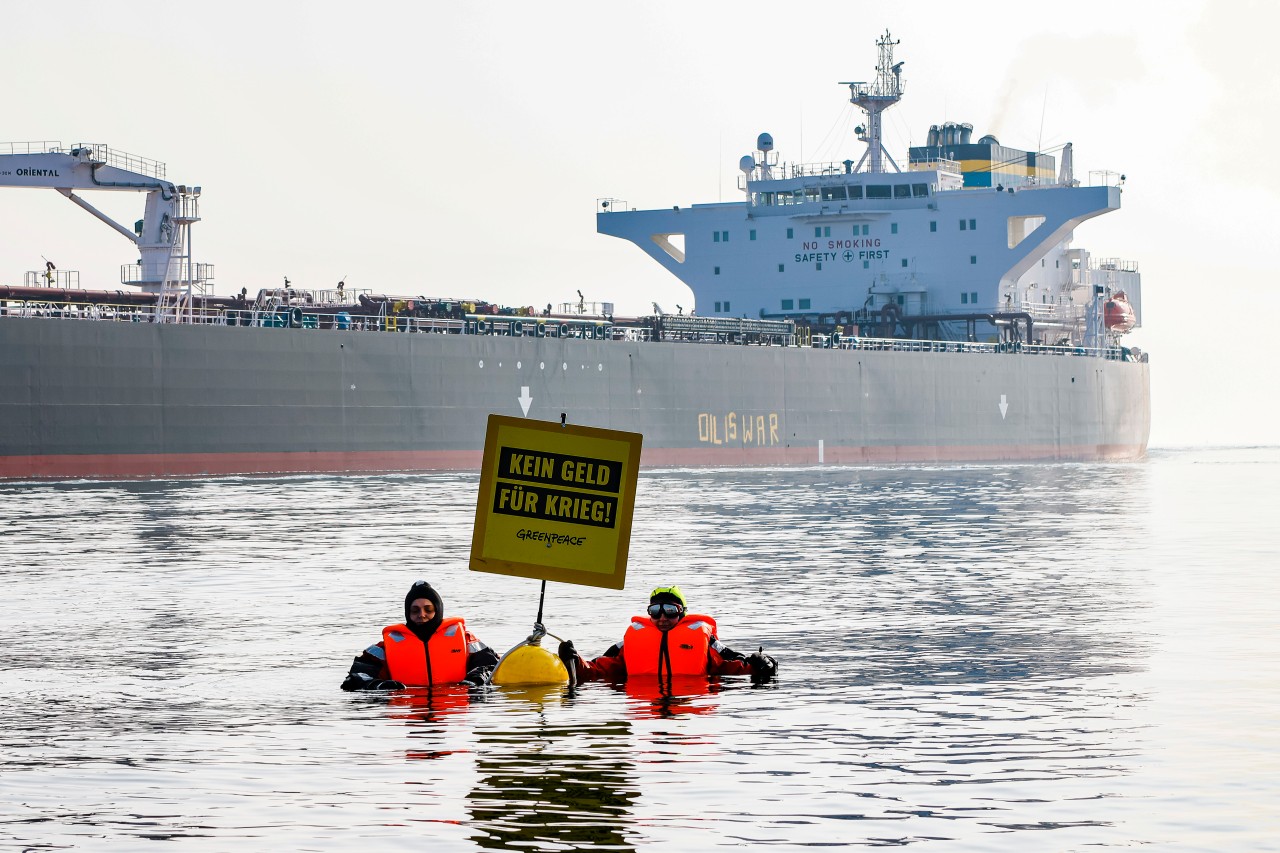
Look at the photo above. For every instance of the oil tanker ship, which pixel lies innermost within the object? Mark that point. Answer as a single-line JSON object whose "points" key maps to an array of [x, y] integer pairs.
{"points": [[845, 313]]}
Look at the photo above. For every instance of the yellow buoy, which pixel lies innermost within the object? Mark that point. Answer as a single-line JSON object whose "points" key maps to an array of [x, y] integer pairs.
{"points": [[529, 664]]}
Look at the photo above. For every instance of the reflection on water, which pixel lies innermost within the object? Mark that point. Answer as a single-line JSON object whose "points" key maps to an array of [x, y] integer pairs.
{"points": [[995, 657], [543, 783]]}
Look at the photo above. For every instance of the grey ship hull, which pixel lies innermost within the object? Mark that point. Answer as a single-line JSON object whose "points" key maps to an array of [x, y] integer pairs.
{"points": [[109, 399]]}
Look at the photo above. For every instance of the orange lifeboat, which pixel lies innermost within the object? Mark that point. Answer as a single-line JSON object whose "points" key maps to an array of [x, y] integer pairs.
{"points": [[1118, 314]]}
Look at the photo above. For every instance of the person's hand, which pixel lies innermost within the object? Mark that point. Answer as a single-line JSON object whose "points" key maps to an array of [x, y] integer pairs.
{"points": [[386, 684], [477, 677], [763, 667], [568, 654], [355, 681]]}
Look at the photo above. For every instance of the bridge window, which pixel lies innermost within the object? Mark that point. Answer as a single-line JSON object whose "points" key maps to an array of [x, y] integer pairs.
{"points": [[855, 193], [834, 194], [920, 190], [879, 191], [810, 193], [902, 191]]}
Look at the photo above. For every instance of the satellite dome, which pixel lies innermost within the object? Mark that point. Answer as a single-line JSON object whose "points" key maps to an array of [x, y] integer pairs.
{"points": [[747, 163], [988, 140], [764, 142]]}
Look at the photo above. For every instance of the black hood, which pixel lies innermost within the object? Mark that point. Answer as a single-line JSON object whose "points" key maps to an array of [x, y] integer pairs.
{"points": [[422, 589]]}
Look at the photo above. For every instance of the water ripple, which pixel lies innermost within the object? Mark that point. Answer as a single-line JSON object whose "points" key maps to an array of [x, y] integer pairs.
{"points": [[984, 657]]}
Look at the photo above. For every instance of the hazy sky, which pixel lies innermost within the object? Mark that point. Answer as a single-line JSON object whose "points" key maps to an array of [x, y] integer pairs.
{"points": [[459, 149]]}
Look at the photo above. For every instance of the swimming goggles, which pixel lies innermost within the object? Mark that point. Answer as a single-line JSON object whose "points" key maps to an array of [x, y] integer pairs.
{"points": [[668, 610]]}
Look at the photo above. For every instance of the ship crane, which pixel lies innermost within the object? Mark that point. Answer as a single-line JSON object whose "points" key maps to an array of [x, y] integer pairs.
{"points": [[163, 235]]}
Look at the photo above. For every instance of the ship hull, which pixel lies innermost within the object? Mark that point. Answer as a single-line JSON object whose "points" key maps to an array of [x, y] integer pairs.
{"points": [[84, 399]]}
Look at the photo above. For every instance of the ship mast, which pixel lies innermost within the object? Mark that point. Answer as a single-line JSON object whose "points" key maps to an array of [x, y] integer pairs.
{"points": [[874, 99]]}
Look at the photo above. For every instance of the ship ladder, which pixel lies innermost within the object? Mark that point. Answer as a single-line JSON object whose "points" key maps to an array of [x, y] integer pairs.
{"points": [[261, 312]]}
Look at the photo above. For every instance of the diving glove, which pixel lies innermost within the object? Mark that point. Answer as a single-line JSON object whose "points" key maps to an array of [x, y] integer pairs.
{"points": [[568, 654], [763, 667]]}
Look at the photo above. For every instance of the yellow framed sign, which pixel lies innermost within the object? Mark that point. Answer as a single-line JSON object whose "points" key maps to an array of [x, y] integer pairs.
{"points": [[555, 502]]}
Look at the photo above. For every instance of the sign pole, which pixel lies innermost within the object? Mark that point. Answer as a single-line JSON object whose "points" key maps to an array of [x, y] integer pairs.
{"points": [[542, 596]]}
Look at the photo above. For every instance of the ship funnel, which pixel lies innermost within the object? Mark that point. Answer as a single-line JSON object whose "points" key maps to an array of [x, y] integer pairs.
{"points": [[935, 136], [966, 133], [764, 142]]}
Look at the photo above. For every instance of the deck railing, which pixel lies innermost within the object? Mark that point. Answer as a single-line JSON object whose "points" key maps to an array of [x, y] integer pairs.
{"points": [[302, 319]]}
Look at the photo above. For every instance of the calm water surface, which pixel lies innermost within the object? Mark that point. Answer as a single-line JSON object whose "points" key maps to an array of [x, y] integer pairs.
{"points": [[1014, 657]]}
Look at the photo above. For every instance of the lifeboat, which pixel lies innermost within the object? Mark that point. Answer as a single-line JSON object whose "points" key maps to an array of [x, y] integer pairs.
{"points": [[1118, 314]]}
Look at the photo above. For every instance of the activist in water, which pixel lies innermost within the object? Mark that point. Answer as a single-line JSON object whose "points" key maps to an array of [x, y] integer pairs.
{"points": [[427, 649], [669, 641]]}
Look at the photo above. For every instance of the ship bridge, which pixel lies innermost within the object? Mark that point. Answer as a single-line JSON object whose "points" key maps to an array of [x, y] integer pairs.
{"points": [[967, 230]]}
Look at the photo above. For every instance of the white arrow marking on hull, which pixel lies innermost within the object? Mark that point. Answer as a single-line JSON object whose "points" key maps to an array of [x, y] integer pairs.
{"points": [[525, 399], [1004, 406]]}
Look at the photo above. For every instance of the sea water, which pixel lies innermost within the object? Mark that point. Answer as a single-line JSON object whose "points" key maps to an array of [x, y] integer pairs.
{"points": [[976, 657]]}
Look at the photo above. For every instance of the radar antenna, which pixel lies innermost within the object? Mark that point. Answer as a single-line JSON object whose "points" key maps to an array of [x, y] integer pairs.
{"points": [[875, 98]]}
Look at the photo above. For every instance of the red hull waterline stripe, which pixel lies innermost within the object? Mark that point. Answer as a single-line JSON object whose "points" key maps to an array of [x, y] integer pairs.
{"points": [[181, 465]]}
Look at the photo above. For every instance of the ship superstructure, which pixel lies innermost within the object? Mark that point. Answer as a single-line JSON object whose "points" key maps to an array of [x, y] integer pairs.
{"points": [[972, 242]]}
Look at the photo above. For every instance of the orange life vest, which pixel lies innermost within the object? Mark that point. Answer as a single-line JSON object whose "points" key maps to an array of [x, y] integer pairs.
{"points": [[687, 645], [443, 660]]}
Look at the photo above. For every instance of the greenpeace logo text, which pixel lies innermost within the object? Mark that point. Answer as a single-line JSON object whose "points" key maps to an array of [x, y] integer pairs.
{"points": [[551, 538]]}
